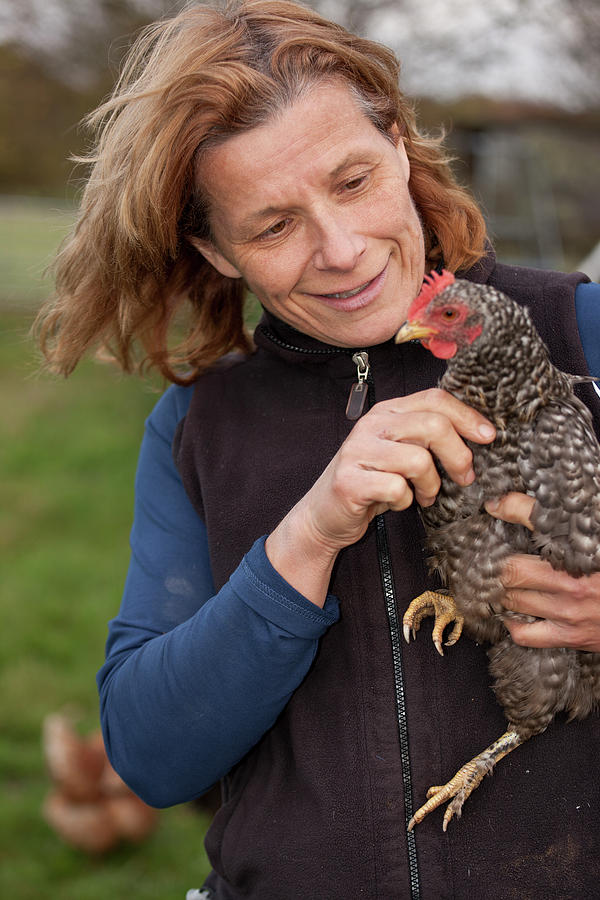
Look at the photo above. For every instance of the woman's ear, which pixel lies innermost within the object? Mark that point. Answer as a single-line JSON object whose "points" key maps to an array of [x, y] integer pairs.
{"points": [[214, 257]]}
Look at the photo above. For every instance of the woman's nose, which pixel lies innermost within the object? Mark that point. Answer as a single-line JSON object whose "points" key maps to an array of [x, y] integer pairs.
{"points": [[338, 246]]}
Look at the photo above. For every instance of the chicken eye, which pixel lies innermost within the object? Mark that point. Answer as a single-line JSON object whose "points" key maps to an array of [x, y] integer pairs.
{"points": [[450, 314]]}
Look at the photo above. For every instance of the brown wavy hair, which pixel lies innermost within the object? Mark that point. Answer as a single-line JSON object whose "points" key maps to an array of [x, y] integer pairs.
{"points": [[127, 280]]}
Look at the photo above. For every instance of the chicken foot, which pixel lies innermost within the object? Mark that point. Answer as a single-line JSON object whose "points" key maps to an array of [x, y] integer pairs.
{"points": [[466, 780], [443, 607]]}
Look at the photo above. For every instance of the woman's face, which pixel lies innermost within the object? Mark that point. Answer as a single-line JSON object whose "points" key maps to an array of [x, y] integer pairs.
{"points": [[313, 210]]}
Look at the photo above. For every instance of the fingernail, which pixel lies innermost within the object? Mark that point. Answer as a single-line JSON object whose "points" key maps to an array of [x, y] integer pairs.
{"points": [[492, 506], [487, 431], [470, 476]]}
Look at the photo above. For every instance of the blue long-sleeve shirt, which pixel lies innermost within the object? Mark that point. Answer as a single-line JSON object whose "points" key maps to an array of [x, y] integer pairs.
{"points": [[193, 679]]}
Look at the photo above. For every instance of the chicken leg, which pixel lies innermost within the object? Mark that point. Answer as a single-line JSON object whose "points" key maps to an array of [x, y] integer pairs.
{"points": [[443, 607], [466, 779]]}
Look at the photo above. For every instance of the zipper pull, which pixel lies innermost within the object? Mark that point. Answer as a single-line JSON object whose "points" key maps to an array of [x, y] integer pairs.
{"points": [[358, 391]]}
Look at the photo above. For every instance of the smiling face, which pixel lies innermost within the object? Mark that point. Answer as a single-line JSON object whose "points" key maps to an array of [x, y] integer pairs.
{"points": [[313, 210]]}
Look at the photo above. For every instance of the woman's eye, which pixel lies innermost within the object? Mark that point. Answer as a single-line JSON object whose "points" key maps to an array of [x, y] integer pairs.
{"points": [[355, 183], [276, 229]]}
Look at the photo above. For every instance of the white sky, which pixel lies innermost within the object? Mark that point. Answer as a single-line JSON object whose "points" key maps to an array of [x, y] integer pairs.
{"points": [[522, 57]]}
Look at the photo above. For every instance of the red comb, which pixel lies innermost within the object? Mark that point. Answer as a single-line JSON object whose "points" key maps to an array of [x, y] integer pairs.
{"points": [[433, 284]]}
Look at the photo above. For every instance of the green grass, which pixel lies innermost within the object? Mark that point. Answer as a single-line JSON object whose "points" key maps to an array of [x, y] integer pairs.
{"points": [[68, 452], [30, 231]]}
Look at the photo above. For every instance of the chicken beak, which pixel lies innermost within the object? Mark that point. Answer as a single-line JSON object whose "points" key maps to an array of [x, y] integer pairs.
{"points": [[413, 331]]}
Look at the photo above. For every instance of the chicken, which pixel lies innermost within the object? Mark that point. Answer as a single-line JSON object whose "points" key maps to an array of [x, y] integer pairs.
{"points": [[546, 447], [89, 806]]}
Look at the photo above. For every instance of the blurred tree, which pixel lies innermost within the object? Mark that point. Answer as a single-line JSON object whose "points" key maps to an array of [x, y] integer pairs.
{"points": [[533, 49], [59, 58], [76, 42], [57, 61], [536, 50], [38, 116]]}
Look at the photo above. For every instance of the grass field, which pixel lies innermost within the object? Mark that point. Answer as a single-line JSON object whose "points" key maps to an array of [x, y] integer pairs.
{"points": [[67, 454], [30, 231]]}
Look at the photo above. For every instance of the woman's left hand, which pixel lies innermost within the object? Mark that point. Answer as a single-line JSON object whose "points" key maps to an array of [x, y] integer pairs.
{"points": [[567, 609]]}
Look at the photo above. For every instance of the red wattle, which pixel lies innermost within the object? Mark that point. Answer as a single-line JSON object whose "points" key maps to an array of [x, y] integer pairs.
{"points": [[441, 349]]}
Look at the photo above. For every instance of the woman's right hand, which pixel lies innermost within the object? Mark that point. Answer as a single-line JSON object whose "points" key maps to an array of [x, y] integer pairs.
{"points": [[385, 462]]}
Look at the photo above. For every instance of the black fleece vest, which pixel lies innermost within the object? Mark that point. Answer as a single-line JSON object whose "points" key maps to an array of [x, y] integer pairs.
{"points": [[318, 808]]}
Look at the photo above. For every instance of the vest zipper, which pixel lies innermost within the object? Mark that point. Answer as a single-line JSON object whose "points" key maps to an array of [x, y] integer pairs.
{"points": [[385, 568], [359, 390], [387, 582], [367, 396]]}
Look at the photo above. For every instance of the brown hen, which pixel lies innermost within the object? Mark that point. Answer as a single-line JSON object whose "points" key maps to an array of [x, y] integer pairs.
{"points": [[89, 806]]}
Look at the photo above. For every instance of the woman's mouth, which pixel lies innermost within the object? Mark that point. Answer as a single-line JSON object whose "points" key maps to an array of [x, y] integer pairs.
{"points": [[345, 294], [355, 298]]}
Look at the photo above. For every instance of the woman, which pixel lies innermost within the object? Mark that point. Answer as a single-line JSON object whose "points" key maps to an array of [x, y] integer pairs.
{"points": [[258, 640]]}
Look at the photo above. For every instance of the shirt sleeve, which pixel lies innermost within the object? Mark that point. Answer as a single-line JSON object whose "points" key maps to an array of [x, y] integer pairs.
{"points": [[587, 310], [193, 679]]}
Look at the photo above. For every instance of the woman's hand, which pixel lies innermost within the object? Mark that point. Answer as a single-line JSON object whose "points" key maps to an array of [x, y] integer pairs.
{"points": [[568, 609], [385, 462]]}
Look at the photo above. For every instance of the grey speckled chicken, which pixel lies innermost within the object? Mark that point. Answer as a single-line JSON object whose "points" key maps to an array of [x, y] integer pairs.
{"points": [[546, 447]]}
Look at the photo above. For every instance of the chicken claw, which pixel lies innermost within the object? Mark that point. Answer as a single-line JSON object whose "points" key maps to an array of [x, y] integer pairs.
{"points": [[466, 780], [443, 607]]}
